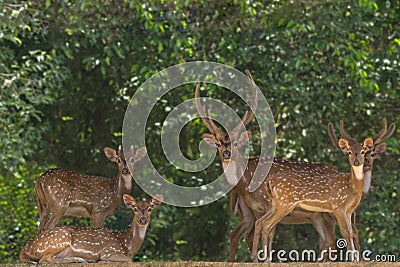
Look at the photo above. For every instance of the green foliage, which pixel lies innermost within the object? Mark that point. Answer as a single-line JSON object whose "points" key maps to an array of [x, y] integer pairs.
{"points": [[69, 68]]}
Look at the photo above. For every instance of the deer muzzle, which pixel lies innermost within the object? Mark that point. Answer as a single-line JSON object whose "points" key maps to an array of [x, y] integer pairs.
{"points": [[226, 154], [125, 170], [142, 220], [356, 162]]}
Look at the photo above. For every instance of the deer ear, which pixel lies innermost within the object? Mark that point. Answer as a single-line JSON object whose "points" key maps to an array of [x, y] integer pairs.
{"points": [[111, 154], [129, 201], [244, 138], [156, 201], [368, 144], [140, 153], [344, 145], [378, 150], [210, 139]]}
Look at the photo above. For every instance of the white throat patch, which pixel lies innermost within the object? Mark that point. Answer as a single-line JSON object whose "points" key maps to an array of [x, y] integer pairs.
{"points": [[142, 231], [359, 172], [367, 181], [230, 172]]}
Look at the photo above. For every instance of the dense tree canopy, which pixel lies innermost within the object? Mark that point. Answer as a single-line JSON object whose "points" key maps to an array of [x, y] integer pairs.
{"points": [[69, 68]]}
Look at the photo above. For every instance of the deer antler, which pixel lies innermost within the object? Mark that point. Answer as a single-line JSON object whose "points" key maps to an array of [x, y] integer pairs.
{"points": [[248, 116], [382, 131], [332, 134], [345, 135], [208, 122], [383, 134]]}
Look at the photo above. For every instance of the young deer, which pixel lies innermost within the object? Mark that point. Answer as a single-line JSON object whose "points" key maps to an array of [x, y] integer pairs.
{"points": [[78, 244], [254, 204], [370, 156], [338, 193], [322, 222], [61, 192]]}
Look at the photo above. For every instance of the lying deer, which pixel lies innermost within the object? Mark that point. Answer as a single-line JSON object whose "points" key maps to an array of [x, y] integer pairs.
{"points": [[322, 222], [338, 194], [62, 192], [78, 244]]}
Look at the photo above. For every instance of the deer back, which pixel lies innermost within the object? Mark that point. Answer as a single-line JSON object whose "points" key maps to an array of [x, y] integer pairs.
{"points": [[78, 191]]}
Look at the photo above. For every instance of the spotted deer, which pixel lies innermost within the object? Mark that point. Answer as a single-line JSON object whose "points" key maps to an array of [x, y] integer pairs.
{"points": [[322, 222], [370, 156], [251, 205], [338, 194], [69, 244], [62, 192]]}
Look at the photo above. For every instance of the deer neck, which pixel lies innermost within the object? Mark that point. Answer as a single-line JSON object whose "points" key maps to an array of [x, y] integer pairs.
{"points": [[357, 179], [133, 238], [123, 185], [233, 169], [367, 181]]}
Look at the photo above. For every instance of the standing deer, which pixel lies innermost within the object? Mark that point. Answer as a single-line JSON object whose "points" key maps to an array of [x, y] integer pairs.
{"points": [[68, 244], [255, 203], [62, 192], [322, 222], [338, 194], [378, 149]]}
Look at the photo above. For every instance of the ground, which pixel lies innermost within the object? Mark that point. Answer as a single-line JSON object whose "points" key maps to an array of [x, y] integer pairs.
{"points": [[217, 264]]}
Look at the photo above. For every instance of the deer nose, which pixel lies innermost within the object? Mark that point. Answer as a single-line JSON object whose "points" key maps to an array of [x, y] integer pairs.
{"points": [[125, 170], [226, 154], [142, 220], [356, 162]]}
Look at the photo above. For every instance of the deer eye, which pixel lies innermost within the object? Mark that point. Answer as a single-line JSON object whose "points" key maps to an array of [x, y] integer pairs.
{"points": [[235, 143], [149, 210], [218, 144], [362, 152], [350, 153], [135, 209]]}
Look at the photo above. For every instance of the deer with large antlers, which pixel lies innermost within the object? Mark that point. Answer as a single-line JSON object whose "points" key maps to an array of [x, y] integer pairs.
{"points": [[338, 194], [68, 244], [62, 192], [322, 222], [251, 205]]}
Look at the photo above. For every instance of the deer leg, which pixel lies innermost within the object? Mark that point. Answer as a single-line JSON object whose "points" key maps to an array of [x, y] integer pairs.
{"points": [[234, 238], [51, 258], [355, 232], [271, 239], [70, 260], [265, 224], [55, 218], [250, 237], [244, 228], [48, 258], [97, 220], [346, 228], [44, 217], [324, 224], [115, 258], [68, 255], [257, 234], [270, 223], [328, 229]]}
